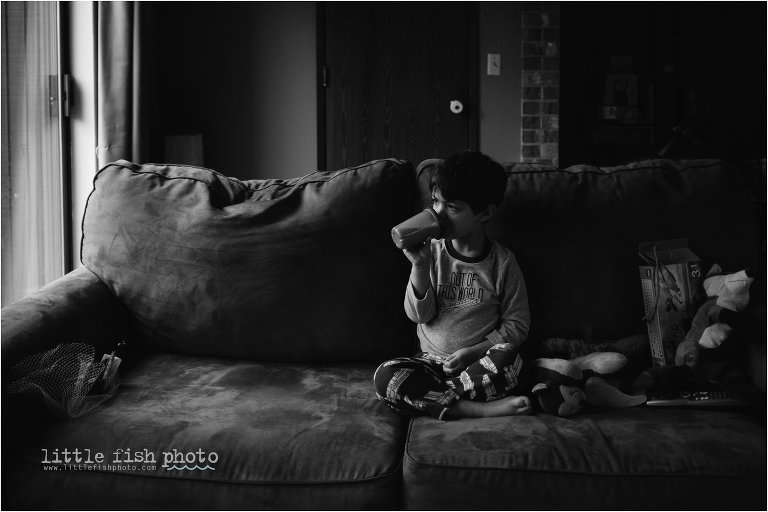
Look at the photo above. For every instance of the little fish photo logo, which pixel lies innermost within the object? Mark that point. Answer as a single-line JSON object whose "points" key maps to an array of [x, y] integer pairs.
{"points": [[126, 459]]}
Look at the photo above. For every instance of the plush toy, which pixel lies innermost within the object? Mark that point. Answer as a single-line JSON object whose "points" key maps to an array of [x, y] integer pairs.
{"points": [[563, 386], [714, 321], [711, 339], [558, 390]]}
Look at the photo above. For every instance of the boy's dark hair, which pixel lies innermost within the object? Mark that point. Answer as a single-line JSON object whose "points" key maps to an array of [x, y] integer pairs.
{"points": [[472, 177]]}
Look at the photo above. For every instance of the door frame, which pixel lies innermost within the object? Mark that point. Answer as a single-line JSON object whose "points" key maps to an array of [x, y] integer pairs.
{"points": [[473, 62]]}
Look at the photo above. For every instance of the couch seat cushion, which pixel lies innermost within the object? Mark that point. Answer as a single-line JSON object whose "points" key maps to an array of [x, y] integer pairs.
{"points": [[285, 436], [607, 459]]}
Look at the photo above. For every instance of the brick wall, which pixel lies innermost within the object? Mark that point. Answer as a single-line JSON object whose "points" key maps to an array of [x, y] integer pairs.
{"points": [[540, 132]]}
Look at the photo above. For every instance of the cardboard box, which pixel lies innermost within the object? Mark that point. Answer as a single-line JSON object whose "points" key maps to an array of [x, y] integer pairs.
{"points": [[671, 277]]}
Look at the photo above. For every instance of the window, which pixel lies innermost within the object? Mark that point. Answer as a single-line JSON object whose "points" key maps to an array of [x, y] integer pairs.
{"points": [[34, 224]]}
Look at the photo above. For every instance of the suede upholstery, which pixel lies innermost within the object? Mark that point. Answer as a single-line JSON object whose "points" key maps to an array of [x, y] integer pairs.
{"points": [[262, 269], [609, 459], [261, 420], [256, 313], [575, 233], [78, 301]]}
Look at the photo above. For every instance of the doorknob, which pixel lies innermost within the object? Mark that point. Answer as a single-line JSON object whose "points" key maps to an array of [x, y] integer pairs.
{"points": [[457, 107]]}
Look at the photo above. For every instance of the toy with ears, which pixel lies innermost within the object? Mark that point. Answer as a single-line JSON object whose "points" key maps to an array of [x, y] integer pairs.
{"points": [[712, 338], [564, 386]]}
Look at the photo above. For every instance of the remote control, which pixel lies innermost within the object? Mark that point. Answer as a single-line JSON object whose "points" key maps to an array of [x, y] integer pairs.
{"points": [[696, 399]]}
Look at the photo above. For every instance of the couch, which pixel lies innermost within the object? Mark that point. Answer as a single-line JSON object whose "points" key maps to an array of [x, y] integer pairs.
{"points": [[255, 313]]}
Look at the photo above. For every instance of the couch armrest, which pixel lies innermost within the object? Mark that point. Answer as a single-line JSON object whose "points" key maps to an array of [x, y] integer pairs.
{"points": [[77, 307]]}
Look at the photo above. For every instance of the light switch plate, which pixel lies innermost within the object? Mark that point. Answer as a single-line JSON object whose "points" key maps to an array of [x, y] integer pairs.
{"points": [[494, 64]]}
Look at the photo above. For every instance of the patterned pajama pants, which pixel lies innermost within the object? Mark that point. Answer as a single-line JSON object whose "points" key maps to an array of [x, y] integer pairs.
{"points": [[419, 386]]}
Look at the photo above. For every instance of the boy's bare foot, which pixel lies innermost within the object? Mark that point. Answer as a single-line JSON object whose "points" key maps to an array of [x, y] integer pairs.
{"points": [[507, 406]]}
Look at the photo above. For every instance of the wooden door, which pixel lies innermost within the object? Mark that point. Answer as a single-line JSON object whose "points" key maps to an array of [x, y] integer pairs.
{"points": [[389, 72]]}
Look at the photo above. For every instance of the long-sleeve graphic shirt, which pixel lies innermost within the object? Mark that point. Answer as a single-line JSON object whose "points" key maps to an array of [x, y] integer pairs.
{"points": [[470, 300]]}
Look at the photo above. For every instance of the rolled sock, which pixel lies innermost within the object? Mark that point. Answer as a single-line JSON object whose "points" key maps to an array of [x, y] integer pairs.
{"points": [[714, 335]]}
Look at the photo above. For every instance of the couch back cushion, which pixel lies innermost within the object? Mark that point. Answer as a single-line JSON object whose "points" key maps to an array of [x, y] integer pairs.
{"points": [[279, 270], [576, 232]]}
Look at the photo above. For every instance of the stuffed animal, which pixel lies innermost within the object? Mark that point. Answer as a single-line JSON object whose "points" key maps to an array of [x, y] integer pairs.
{"points": [[709, 342], [558, 390], [563, 386], [714, 321]]}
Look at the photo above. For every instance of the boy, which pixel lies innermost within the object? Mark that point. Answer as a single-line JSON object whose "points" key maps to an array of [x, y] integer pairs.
{"points": [[468, 297]]}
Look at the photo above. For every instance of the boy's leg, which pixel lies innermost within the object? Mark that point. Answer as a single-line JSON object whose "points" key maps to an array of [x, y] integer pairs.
{"points": [[496, 385], [507, 406], [414, 386], [500, 373]]}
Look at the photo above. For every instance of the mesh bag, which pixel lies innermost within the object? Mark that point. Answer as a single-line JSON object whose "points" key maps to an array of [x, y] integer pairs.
{"points": [[71, 381]]}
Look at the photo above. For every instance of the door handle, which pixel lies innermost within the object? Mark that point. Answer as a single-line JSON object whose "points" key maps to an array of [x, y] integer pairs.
{"points": [[457, 107]]}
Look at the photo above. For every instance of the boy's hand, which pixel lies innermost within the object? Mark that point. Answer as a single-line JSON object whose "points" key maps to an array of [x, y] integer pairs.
{"points": [[421, 255], [459, 360]]}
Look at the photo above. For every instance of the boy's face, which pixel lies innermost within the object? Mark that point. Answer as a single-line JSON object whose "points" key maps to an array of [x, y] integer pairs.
{"points": [[460, 220]]}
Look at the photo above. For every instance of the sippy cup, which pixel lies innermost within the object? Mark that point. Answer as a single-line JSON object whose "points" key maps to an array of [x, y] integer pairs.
{"points": [[415, 230]]}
